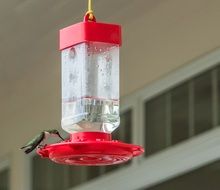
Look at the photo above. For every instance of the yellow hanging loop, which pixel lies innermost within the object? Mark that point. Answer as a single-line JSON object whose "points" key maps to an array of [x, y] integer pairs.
{"points": [[90, 11]]}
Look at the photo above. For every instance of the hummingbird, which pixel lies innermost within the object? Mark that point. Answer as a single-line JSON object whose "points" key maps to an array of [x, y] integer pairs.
{"points": [[39, 139]]}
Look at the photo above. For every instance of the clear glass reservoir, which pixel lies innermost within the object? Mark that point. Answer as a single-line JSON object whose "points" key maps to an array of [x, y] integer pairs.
{"points": [[90, 87]]}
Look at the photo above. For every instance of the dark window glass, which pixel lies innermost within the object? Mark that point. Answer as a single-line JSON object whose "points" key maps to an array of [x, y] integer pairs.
{"points": [[77, 175], [155, 124], [93, 172], [4, 179], [49, 176], [180, 113], [111, 168], [203, 102], [126, 126], [205, 178], [218, 96], [123, 133]]}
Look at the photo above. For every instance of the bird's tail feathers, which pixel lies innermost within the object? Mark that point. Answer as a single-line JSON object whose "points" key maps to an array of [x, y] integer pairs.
{"points": [[27, 151], [24, 147]]}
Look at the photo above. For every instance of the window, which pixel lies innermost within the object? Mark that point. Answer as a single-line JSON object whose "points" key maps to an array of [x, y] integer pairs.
{"points": [[203, 102], [156, 124], [182, 111], [4, 179], [206, 177]]}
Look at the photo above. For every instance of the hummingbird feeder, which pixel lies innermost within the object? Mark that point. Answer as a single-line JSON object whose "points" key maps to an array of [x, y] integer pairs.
{"points": [[90, 96]]}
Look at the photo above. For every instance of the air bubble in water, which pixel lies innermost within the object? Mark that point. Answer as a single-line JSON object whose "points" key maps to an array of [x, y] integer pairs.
{"points": [[72, 53]]}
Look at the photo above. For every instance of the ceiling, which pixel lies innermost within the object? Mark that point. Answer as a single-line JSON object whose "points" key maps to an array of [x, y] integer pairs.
{"points": [[29, 34]]}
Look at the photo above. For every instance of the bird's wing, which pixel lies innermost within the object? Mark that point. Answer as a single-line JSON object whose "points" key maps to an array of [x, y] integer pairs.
{"points": [[35, 141]]}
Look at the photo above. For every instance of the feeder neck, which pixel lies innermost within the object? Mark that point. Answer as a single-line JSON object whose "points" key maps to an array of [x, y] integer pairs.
{"points": [[90, 136]]}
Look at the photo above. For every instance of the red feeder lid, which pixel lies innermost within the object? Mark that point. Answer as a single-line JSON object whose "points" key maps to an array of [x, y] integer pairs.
{"points": [[89, 31], [91, 149]]}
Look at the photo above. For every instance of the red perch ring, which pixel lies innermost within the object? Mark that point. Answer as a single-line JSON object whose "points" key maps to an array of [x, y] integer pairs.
{"points": [[90, 149]]}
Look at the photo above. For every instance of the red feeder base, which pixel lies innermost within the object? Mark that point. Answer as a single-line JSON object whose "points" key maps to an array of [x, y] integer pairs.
{"points": [[91, 149]]}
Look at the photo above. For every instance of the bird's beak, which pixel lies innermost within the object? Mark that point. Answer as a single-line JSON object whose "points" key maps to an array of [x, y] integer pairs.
{"points": [[61, 137]]}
